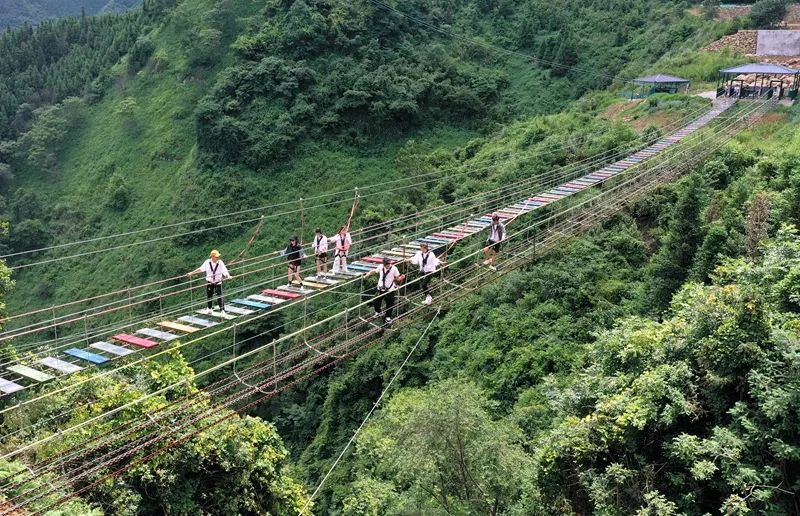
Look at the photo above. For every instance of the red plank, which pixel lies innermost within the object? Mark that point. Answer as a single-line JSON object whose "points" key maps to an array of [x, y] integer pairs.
{"points": [[372, 259], [280, 293], [136, 341]]}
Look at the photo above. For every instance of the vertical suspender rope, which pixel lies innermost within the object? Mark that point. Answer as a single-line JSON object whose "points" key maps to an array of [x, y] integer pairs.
{"points": [[352, 210], [250, 242], [302, 223], [55, 327]]}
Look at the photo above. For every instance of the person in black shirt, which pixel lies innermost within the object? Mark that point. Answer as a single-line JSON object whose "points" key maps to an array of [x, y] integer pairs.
{"points": [[294, 255]]}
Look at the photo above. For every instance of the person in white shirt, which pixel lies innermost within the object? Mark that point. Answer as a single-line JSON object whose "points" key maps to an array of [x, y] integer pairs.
{"points": [[387, 284], [343, 243], [427, 262], [320, 246], [216, 273], [497, 233]]}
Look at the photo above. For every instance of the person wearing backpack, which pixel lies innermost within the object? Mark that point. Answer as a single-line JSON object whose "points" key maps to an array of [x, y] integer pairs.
{"points": [[387, 285], [321, 252], [216, 273], [497, 233], [427, 262], [294, 255]]}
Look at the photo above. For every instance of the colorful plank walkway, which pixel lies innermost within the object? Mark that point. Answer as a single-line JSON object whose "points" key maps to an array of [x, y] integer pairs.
{"points": [[24, 376]]}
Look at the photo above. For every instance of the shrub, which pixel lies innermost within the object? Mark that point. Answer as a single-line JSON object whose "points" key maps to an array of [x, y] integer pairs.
{"points": [[767, 13]]}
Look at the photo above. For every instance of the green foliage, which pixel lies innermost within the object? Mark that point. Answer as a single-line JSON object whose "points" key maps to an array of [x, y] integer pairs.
{"points": [[47, 134], [235, 467], [669, 267], [119, 193], [29, 234], [140, 54], [58, 60], [439, 451], [19, 12], [710, 8], [767, 13]]}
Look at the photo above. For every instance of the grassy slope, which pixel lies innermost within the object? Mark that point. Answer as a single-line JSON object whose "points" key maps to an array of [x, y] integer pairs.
{"points": [[154, 150]]}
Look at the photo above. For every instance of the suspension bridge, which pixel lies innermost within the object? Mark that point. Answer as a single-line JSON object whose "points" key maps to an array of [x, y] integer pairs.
{"points": [[540, 215]]}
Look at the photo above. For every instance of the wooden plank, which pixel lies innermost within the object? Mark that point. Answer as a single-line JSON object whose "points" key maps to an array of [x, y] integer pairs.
{"points": [[270, 300], [217, 314], [314, 284], [239, 311], [280, 293], [112, 348], [9, 387], [178, 327], [85, 355], [324, 279], [60, 365], [198, 321], [251, 304], [30, 373], [299, 291], [158, 334], [134, 340]]}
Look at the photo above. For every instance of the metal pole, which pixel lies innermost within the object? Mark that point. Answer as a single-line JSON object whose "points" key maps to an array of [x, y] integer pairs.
{"points": [[55, 327]]}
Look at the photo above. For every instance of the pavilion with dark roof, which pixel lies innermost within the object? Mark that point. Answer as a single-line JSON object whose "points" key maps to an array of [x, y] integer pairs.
{"points": [[660, 83], [758, 79]]}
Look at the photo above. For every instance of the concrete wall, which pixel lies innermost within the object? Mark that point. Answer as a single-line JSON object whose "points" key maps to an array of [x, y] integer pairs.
{"points": [[778, 43]]}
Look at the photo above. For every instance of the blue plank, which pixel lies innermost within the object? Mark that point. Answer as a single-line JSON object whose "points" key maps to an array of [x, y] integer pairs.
{"points": [[251, 304], [85, 355]]}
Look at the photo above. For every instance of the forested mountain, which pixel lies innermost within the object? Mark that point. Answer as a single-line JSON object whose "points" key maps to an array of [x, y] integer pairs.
{"points": [[648, 367], [14, 13]]}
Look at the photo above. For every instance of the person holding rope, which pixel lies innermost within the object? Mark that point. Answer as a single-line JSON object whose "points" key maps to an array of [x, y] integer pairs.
{"points": [[497, 233], [427, 262], [294, 255], [387, 284], [343, 242], [216, 273], [321, 253]]}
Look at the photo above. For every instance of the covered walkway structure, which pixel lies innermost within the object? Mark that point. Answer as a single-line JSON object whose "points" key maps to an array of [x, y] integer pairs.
{"points": [[758, 79], [661, 83]]}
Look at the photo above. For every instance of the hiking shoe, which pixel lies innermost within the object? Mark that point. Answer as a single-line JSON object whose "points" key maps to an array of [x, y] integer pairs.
{"points": [[376, 315], [428, 299], [388, 320], [492, 267]]}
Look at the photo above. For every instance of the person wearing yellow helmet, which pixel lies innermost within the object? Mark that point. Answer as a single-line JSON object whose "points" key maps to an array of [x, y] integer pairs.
{"points": [[216, 273]]}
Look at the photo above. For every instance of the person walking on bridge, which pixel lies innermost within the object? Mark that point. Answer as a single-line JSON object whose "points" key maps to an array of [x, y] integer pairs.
{"points": [[497, 233], [427, 262], [321, 253], [343, 242], [387, 284], [294, 255], [216, 273]]}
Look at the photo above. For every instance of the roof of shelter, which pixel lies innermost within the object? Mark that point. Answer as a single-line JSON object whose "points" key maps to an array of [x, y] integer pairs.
{"points": [[660, 79], [760, 68]]}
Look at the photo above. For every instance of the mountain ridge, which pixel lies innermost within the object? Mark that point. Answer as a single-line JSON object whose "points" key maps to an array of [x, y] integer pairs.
{"points": [[15, 13]]}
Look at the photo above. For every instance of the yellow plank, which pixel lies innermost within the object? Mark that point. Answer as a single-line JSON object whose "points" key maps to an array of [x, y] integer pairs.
{"points": [[314, 285], [177, 326]]}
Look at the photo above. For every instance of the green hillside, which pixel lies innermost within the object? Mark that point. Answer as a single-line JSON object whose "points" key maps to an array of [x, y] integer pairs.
{"points": [[647, 367], [18, 12], [161, 120]]}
